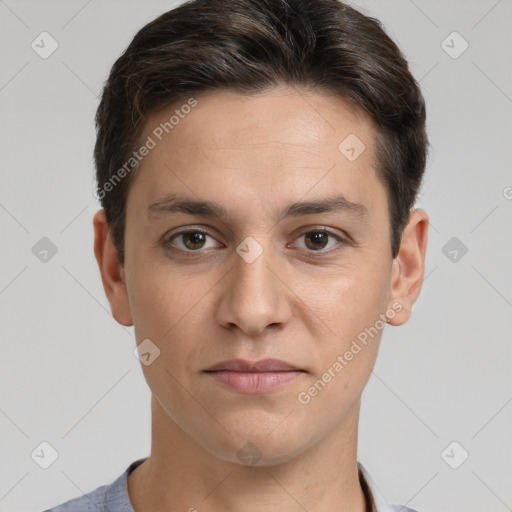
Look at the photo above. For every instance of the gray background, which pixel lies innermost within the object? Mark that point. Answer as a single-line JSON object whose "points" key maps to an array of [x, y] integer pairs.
{"points": [[67, 372]]}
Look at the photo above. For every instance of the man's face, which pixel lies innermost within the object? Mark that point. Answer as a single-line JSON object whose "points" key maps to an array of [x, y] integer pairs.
{"points": [[259, 282]]}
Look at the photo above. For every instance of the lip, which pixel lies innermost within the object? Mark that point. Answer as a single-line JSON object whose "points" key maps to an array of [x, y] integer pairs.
{"points": [[264, 365], [254, 376]]}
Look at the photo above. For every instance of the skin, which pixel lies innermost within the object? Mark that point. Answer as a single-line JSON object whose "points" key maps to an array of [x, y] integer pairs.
{"points": [[254, 155]]}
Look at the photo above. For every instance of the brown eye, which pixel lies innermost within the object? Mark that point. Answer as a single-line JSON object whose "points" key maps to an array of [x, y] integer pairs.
{"points": [[194, 239], [189, 241], [316, 240]]}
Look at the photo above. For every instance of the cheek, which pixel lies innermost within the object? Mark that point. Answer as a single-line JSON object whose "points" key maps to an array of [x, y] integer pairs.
{"points": [[169, 309], [351, 297], [163, 299], [351, 305]]}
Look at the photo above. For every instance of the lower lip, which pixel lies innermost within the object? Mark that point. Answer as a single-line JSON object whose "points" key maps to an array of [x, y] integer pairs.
{"points": [[254, 382]]}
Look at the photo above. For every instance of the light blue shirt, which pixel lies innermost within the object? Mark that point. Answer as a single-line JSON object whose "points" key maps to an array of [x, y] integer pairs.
{"points": [[114, 497]]}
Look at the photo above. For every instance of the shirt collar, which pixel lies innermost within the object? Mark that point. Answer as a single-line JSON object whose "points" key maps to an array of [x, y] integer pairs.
{"points": [[373, 496]]}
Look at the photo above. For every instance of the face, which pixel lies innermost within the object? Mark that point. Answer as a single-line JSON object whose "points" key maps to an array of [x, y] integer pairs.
{"points": [[252, 234]]}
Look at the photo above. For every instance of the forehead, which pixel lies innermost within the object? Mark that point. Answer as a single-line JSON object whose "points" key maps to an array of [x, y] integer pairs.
{"points": [[283, 142], [312, 120]]}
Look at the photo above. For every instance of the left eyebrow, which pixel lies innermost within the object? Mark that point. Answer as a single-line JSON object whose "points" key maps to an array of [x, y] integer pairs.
{"points": [[174, 204]]}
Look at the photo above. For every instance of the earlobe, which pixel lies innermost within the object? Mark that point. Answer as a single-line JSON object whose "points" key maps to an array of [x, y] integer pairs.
{"points": [[409, 266], [112, 272]]}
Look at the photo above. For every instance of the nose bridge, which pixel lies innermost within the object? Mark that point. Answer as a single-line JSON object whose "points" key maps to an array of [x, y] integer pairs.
{"points": [[255, 298]]}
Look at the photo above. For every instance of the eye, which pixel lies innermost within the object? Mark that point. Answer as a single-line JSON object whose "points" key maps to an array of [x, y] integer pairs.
{"points": [[191, 240], [316, 240], [194, 240]]}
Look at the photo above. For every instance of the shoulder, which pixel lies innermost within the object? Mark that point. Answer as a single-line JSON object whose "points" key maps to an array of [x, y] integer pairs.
{"points": [[107, 498], [93, 501]]}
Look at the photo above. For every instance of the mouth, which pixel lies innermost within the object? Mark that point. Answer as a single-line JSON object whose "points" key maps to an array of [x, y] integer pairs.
{"points": [[254, 376]]}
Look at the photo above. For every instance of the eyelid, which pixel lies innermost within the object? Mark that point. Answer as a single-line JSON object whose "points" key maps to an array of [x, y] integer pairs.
{"points": [[183, 231], [315, 227], [342, 239]]}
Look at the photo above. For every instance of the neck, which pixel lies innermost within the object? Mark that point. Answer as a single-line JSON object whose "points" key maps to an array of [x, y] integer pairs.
{"points": [[180, 475]]}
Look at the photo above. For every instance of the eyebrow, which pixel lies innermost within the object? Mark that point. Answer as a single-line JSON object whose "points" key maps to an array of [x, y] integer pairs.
{"points": [[173, 204]]}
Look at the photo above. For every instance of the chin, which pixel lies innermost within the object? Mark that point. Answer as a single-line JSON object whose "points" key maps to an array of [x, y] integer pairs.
{"points": [[256, 447]]}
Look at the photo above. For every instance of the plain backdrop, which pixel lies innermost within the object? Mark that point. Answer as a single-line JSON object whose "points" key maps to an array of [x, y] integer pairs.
{"points": [[68, 376]]}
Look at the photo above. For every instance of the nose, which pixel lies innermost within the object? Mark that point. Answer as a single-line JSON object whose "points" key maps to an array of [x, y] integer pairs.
{"points": [[253, 297]]}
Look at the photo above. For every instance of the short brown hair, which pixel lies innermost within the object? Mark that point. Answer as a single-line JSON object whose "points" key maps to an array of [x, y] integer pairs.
{"points": [[248, 46]]}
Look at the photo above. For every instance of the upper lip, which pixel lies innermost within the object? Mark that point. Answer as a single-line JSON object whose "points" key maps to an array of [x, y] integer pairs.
{"points": [[264, 365]]}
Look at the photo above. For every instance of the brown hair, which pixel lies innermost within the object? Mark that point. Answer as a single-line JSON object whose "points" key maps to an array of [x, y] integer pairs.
{"points": [[248, 46]]}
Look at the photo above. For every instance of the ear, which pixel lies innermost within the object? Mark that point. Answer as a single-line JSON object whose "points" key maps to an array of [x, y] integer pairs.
{"points": [[112, 272], [409, 267]]}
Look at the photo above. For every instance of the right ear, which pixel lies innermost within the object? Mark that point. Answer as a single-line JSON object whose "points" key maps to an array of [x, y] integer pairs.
{"points": [[409, 266], [111, 270]]}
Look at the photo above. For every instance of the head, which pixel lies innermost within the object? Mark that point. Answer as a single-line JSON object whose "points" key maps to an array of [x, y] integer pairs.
{"points": [[225, 130]]}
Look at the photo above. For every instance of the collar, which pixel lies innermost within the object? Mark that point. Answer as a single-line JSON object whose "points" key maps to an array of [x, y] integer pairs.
{"points": [[374, 498]]}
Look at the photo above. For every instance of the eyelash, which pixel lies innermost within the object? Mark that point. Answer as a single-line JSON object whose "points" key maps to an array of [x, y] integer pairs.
{"points": [[167, 242]]}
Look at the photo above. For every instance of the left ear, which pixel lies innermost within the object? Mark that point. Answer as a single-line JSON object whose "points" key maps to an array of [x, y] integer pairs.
{"points": [[409, 267]]}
